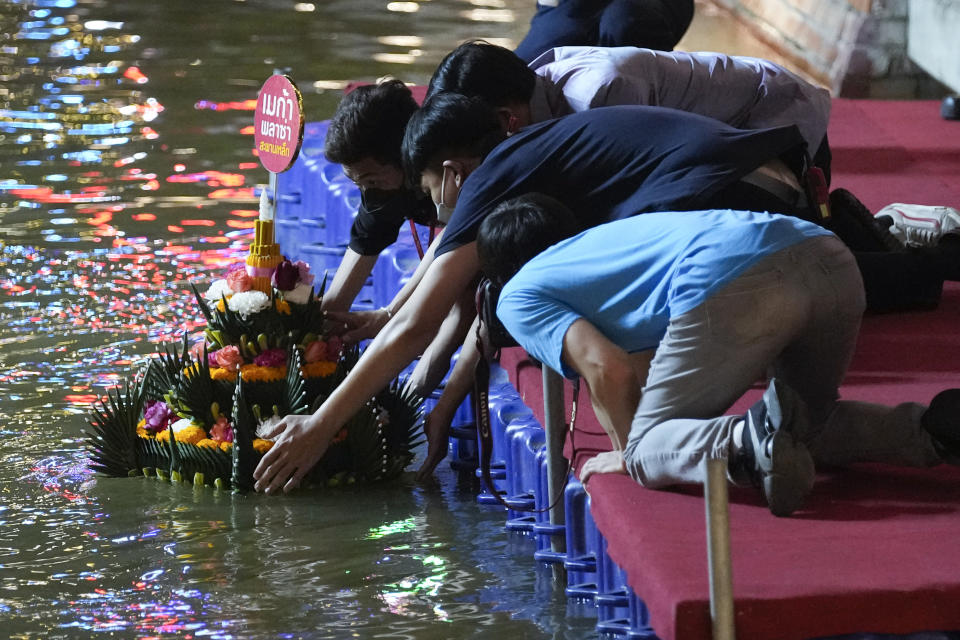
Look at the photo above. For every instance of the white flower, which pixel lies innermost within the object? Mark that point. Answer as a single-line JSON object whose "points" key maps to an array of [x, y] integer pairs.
{"points": [[248, 302], [299, 295], [267, 425], [180, 425], [217, 290]]}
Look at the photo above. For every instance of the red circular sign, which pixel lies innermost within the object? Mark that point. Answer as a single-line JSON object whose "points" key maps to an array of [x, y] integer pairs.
{"points": [[278, 124]]}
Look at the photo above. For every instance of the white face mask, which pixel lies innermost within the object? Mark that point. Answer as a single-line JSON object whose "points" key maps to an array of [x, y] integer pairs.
{"points": [[443, 211]]}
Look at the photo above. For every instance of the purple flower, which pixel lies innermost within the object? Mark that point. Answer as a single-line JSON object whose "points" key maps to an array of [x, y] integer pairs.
{"points": [[286, 276], [305, 276], [271, 358], [212, 359], [158, 415]]}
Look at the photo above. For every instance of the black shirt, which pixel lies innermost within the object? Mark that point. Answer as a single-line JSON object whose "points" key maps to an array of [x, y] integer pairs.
{"points": [[381, 214], [614, 162]]}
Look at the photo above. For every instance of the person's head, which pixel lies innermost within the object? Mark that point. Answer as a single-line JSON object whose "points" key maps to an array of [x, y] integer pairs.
{"points": [[483, 70], [366, 132], [446, 139], [518, 230]]}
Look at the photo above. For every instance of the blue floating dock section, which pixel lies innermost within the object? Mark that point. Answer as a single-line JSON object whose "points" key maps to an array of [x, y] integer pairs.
{"points": [[316, 205]]}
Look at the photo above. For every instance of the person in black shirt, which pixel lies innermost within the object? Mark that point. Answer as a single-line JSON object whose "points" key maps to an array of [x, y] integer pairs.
{"points": [[364, 136]]}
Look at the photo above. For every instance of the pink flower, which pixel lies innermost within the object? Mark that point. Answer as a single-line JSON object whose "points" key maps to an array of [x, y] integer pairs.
{"points": [[212, 359], [229, 358], [334, 346], [239, 280], [286, 276], [305, 276], [158, 415], [236, 266], [271, 358], [221, 430], [315, 351]]}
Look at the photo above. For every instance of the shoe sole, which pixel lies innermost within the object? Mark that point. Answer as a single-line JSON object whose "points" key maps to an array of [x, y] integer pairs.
{"points": [[788, 474], [791, 476]]}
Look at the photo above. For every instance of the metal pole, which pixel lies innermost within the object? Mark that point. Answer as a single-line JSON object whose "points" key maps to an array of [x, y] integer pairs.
{"points": [[272, 186], [555, 428], [718, 549]]}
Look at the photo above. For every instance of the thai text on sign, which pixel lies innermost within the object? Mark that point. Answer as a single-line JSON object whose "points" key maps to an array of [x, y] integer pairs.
{"points": [[278, 124]]}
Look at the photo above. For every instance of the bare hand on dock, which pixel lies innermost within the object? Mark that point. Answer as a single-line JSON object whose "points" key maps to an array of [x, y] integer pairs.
{"points": [[606, 462]]}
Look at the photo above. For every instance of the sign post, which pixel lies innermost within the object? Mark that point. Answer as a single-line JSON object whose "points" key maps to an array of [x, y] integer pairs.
{"points": [[277, 135], [278, 128]]}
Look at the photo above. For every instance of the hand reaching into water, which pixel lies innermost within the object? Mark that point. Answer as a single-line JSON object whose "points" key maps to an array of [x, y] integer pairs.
{"points": [[301, 443], [606, 462], [354, 326], [436, 427]]}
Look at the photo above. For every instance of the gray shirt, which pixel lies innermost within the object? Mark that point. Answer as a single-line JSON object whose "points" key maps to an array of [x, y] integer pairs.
{"points": [[746, 93]]}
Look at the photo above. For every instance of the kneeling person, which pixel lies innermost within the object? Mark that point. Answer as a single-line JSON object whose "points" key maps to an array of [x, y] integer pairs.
{"points": [[723, 296]]}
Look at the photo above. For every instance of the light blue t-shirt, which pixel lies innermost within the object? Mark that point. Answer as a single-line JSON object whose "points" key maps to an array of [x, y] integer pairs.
{"points": [[629, 277]]}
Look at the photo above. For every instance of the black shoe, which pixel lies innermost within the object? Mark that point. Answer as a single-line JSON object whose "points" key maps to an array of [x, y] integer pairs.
{"points": [[773, 455], [942, 421], [855, 225]]}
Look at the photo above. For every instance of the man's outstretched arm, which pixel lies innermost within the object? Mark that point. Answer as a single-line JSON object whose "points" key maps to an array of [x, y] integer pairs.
{"points": [[347, 282], [302, 440]]}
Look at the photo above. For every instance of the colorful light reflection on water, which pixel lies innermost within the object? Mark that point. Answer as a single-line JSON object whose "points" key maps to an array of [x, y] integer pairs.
{"points": [[126, 174]]}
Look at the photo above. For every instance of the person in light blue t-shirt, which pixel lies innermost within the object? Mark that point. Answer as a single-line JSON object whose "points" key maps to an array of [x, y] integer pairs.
{"points": [[723, 298]]}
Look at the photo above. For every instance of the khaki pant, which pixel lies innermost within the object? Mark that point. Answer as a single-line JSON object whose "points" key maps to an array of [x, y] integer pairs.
{"points": [[794, 315]]}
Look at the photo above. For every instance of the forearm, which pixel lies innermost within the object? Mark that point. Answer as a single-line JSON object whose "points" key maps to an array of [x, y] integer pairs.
{"points": [[407, 290], [435, 361], [460, 382], [612, 374], [614, 410], [349, 279], [402, 339]]}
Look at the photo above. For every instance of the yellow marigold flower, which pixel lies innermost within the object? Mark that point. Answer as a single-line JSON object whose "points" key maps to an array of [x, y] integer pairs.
{"points": [[191, 435], [283, 307], [208, 443], [226, 446], [191, 371], [220, 306], [219, 373], [141, 431], [253, 373], [262, 446], [320, 369], [164, 435]]}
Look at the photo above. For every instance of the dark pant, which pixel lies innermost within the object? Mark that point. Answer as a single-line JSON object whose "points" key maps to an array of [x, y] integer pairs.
{"points": [[893, 281], [652, 24]]}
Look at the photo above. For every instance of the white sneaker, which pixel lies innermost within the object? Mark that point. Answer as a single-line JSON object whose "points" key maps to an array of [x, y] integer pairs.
{"points": [[920, 225]]}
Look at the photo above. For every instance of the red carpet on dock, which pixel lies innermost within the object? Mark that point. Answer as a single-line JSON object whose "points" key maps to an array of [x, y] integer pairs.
{"points": [[876, 548]]}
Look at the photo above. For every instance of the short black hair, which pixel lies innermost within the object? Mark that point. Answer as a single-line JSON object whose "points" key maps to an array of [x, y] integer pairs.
{"points": [[484, 70], [369, 123], [448, 123], [519, 229]]}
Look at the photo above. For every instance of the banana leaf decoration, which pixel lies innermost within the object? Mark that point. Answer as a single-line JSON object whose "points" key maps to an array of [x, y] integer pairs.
{"points": [[244, 457], [112, 445], [371, 449], [163, 372], [404, 410], [194, 394], [375, 445]]}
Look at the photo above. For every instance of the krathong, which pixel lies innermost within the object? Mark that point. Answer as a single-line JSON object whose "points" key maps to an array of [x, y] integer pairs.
{"points": [[194, 414]]}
